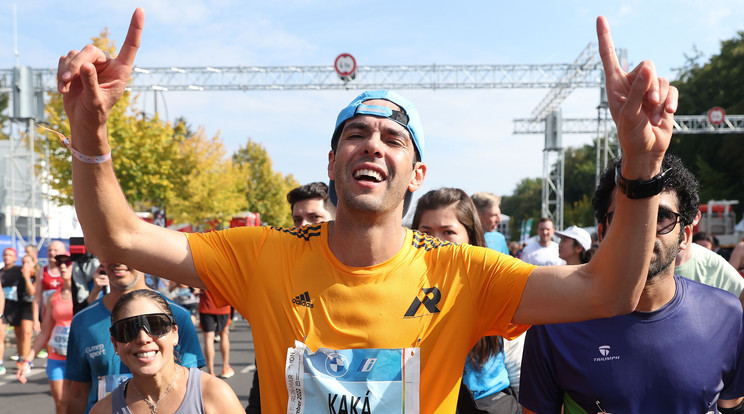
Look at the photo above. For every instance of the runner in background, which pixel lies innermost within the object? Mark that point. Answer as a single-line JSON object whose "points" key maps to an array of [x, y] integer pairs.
{"points": [[55, 331], [215, 320]]}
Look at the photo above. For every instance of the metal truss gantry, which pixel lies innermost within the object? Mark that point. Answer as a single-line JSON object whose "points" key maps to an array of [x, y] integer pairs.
{"points": [[585, 72], [547, 114], [255, 78], [607, 146], [683, 124]]}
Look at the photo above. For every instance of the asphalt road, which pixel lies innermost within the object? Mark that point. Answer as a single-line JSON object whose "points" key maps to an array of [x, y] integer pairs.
{"points": [[34, 397]]}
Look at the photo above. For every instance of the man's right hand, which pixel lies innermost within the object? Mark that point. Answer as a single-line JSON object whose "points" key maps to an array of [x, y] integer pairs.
{"points": [[91, 82], [642, 106]]}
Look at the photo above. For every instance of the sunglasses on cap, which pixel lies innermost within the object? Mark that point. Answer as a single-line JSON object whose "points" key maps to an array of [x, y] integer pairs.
{"points": [[155, 324]]}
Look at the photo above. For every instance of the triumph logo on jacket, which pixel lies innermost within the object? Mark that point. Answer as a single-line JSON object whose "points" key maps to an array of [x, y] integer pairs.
{"points": [[605, 350]]}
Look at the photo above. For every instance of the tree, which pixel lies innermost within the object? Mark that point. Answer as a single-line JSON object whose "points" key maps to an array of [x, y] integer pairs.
{"points": [[526, 201], [4, 99], [523, 204], [156, 164], [717, 160], [578, 189], [213, 188], [144, 151], [265, 190]]}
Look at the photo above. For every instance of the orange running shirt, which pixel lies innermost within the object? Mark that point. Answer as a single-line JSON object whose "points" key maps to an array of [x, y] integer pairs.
{"points": [[434, 295]]}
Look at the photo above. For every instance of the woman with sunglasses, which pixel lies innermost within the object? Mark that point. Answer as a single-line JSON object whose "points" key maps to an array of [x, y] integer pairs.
{"points": [[449, 214], [144, 334], [55, 329]]}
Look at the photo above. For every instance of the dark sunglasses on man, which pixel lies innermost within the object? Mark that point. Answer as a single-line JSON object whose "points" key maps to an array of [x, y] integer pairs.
{"points": [[155, 324], [666, 220]]}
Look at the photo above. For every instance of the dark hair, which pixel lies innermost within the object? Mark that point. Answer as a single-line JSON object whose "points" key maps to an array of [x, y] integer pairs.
{"points": [[701, 235], [681, 182], [137, 294], [546, 219], [465, 211], [145, 294], [585, 255], [467, 215], [309, 191]]}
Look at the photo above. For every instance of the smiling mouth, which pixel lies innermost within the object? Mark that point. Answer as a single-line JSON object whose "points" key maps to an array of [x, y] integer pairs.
{"points": [[368, 175], [148, 354]]}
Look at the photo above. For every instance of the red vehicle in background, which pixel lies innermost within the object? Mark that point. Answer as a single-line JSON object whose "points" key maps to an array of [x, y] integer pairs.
{"points": [[246, 219], [718, 219]]}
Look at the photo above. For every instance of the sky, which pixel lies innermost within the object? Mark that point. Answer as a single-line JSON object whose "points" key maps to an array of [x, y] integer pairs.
{"points": [[469, 133]]}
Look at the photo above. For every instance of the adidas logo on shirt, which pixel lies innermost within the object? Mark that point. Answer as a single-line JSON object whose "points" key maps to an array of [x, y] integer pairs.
{"points": [[303, 300]]}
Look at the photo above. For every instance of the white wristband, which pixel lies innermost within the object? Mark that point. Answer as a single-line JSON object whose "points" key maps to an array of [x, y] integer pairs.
{"points": [[88, 159]]}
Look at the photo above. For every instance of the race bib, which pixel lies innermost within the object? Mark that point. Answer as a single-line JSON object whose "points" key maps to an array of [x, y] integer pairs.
{"points": [[11, 293], [108, 383], [58, 340], [359, 381]]}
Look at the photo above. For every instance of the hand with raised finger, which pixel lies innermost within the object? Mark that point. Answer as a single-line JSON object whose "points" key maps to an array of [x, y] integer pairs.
{"points": [[92, 82], [642, 106]]}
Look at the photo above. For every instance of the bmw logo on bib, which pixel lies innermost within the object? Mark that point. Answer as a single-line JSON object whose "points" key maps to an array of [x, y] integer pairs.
{"points": [[336, 364]]}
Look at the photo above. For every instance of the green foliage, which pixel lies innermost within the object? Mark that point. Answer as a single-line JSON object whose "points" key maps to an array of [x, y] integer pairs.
{"points": [[524, 203], [144, 154], [717, 160], [579, 213], [4, 99], [265, 190], [578, 191], [212, 191], [158, 164]]}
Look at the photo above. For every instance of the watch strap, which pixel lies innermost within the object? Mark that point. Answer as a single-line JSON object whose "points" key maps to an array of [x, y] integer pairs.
{"points": [[637, 189]]}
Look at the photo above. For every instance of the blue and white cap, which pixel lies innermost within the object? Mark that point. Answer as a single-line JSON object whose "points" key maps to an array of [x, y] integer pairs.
{"points": [[408, 118]]}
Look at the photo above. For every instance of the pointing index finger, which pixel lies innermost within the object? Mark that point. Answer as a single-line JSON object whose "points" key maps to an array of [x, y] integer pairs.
{"points": [[607, 48], [134, 35]]}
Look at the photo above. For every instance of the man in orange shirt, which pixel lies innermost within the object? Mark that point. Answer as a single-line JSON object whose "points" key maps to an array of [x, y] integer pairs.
{"points": [[363, 283]]}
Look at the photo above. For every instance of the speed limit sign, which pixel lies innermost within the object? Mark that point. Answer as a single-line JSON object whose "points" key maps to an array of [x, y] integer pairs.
{"points": [[716, 115], [345, 65]]}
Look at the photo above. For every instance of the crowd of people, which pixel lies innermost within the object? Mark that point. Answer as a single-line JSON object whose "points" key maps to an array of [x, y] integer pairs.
{"points": [[353, 312]]}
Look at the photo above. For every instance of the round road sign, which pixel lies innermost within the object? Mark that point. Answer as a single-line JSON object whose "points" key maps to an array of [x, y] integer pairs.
{"points": [[345, 65], [716, 115]]}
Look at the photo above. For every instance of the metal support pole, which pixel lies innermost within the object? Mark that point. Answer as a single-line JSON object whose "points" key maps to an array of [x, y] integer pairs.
{"points": [[31, 132]]}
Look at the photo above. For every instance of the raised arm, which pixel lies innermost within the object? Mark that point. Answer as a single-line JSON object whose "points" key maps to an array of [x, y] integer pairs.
{"points": [[91, 83], [642, 106]]}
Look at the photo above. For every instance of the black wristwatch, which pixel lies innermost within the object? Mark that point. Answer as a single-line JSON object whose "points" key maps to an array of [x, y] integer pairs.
{"points": [[635, 189]]}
